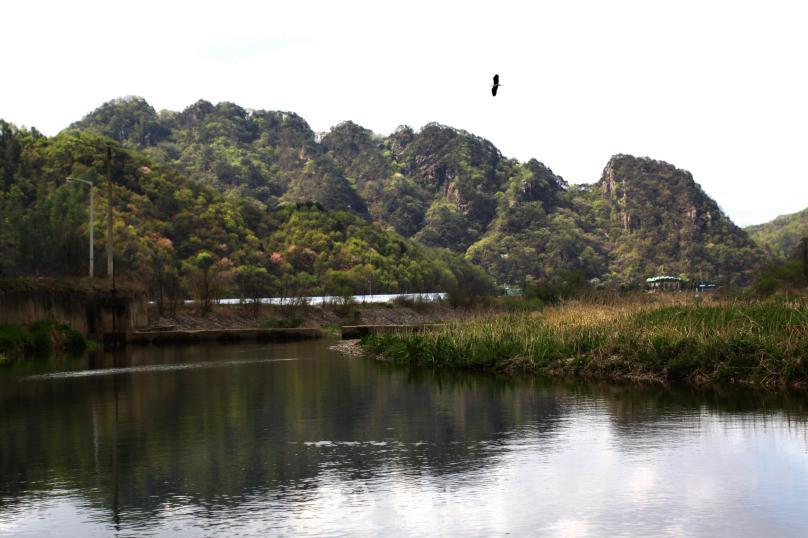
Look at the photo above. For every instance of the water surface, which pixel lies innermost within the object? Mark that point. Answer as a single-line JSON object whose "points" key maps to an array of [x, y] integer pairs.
{"points": [[296, 440]]}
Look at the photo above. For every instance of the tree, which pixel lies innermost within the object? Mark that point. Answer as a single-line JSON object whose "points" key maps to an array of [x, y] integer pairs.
{"points": [[206, 277], [254, 283]]}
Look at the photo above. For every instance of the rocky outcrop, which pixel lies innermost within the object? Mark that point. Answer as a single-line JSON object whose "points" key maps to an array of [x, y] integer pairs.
{"points": [[658, 216]]}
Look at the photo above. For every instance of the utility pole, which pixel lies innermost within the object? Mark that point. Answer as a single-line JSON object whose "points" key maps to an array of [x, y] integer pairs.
{"points": [[110, 262], [804, 256], [92, 221]]}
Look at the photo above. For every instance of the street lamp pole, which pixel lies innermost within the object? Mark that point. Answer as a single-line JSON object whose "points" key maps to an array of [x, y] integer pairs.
{"points": [[92, 219]]}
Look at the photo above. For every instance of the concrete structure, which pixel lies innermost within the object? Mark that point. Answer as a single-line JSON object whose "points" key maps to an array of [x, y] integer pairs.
{"points": [[104, 316], [664, 283], [223, 335]]}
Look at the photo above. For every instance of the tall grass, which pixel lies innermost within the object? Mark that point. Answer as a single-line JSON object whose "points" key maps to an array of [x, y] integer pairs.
{"points": [[761, 343]]}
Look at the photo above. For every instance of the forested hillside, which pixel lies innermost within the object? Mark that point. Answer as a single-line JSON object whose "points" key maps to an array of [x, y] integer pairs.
{"points": [[171, 230], [782, 235], [445, 187]]}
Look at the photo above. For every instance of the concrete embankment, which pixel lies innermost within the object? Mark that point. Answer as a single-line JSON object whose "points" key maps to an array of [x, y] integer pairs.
{"points": [[93, 312], [223, 335]]}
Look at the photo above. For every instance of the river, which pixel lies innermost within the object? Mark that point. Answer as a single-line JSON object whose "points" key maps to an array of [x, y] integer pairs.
{"points": [[294, 439]]}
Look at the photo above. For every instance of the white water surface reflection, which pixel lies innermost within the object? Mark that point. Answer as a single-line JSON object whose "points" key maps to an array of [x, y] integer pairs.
{"points": [[333, 446]]}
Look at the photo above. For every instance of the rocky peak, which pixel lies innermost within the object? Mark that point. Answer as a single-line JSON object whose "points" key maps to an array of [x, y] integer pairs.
{"points": [[125, 119], [628, 169], [348, 139], [400, 138], [280, 128], [195, 113]]}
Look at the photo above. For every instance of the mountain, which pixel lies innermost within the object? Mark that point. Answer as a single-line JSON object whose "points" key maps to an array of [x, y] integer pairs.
{"points": [[542, 227], [169, 226], [781, 236], [658, 220], [270, 156], [448, 188]]}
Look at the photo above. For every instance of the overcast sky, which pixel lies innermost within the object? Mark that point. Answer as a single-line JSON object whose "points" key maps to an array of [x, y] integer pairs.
{"points": [[717, 88]]}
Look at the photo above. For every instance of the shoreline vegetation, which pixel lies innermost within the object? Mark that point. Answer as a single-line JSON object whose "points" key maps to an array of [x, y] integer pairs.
{"points": [[665, 338], [47, 337], [670, 339], [40, 339]]}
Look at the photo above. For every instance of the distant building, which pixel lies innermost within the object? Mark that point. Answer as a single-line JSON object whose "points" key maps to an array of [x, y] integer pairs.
{"points": [[512, 291], [705, 287], [664, 283]]}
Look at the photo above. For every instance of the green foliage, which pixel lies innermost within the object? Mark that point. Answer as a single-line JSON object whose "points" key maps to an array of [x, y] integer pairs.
{"points": [[14, 339], [268, 156], [175, 237], [131, 118], [781, 236], [659, 221], [520, 304], [203, 261], [442, 186], [74, 342], [751, 343], [567, 284], [788, 275], [344, 255], [206, 278], [40, 339]]}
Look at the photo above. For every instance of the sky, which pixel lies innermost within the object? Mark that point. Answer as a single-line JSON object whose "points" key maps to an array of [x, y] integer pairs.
{"points": [[717, 88]]}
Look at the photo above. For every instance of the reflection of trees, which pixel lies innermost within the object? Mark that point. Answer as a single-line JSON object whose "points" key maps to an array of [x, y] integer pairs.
{"points": [[652, 414], [219, 435]]}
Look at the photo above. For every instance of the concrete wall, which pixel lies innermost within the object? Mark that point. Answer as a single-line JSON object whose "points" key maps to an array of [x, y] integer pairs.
{"points": [[73, 308]]}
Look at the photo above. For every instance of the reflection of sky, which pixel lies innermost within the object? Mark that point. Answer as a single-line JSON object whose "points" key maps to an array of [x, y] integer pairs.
{"points": [[707, 474]]}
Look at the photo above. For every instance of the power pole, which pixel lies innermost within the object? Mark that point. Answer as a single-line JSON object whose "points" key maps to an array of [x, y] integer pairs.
{"points": [[92, 225], [805, 256], [110, 262]]}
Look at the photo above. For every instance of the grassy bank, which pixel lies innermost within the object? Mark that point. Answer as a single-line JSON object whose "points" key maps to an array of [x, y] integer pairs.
{"points": [[763, 343], [39, 340]]}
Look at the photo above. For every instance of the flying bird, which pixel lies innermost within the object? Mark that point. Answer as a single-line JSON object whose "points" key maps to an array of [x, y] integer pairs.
{"points": [[495, 86]]}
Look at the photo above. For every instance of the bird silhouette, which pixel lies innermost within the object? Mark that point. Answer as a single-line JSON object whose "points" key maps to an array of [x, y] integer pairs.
{"points": [[495, 86]]}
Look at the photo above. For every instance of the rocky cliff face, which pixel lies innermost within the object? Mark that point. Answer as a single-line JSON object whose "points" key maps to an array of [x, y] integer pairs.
{"points": [[660, 220]]}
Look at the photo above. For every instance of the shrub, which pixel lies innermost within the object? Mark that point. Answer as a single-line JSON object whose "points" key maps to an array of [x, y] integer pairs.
{"points": [[280, 323], [74, 342], [41, 341], [13, 340]]}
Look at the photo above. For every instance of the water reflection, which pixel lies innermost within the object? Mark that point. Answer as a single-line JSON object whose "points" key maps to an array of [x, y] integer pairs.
{"points": [[296, 439]]}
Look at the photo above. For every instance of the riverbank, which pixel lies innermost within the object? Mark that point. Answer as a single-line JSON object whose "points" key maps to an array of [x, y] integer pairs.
{"points": [[329, 318], [763, 344], [224, 335]]}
